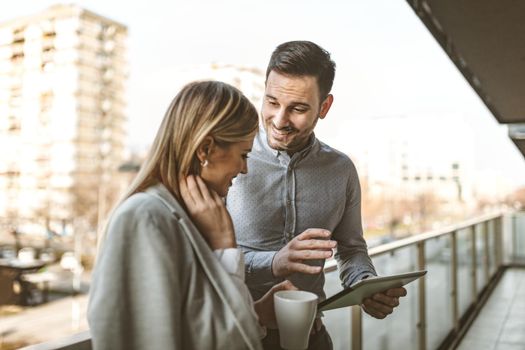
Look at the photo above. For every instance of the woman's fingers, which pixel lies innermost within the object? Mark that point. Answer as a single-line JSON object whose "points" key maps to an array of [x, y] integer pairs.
{"points": [[285, 285], [193, 190], [217, 198], [203, 189], [197, 196], [185, 193]]}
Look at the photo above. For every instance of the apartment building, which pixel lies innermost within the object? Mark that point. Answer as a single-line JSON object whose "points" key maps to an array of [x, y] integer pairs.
{"points": [[62, 117]]}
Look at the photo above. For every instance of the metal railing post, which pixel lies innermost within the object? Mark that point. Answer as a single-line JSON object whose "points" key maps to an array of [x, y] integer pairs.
{"points": [[454, 291], [514, 236], [498, 238], [422, 325], [486, 252], [474, 263], [357, 327]]}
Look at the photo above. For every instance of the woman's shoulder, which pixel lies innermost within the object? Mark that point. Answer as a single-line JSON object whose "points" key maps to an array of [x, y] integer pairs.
{"points": [[143, 209], [141, 204]]}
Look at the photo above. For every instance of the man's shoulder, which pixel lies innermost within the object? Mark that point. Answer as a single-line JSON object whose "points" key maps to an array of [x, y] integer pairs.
{"points": [[335, 156]]}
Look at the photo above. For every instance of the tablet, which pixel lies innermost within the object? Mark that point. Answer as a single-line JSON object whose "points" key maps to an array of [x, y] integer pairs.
{"points": [[355, 294]]}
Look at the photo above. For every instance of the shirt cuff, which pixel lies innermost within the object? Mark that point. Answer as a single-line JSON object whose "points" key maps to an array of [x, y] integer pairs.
{"points": [[232, 259], [259, 267], [363, 276]]}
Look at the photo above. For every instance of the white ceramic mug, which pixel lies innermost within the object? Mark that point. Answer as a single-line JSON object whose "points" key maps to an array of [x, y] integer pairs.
{"points": [[295, 311]]}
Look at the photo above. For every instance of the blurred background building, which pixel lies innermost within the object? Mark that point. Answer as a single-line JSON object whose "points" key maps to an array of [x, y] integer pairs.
{"points": [[248, 79], [62, 118]]}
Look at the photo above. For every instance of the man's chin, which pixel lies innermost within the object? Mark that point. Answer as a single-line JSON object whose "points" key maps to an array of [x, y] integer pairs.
{"points": [[276, 145]]}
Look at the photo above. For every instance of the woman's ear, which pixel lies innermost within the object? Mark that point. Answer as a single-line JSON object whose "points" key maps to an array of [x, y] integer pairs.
{"points": [[205, 148]]}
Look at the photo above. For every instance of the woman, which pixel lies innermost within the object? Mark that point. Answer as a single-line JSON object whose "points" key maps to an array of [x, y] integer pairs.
{"points": [[168, 275]]}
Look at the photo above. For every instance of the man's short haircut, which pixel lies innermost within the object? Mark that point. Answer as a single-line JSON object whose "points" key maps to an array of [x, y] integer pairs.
{"points": [[300, 58]]}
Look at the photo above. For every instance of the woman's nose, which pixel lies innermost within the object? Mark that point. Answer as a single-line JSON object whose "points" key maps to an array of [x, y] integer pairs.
{"points": [[244, 169]]}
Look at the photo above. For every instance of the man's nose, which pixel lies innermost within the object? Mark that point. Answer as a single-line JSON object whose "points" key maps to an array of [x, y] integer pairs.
{"points": [[280, 119]]}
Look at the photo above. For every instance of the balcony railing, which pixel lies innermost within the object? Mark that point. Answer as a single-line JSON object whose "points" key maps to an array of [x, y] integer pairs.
{"points": [[464, 263]]}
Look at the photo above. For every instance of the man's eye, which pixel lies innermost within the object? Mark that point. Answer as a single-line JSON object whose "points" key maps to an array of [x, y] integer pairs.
{"points": [[299, 110], [272, 103]]}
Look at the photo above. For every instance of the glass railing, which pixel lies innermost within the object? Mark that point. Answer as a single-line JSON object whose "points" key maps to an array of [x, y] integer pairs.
{"points": [[515, 243], [463, 263]]}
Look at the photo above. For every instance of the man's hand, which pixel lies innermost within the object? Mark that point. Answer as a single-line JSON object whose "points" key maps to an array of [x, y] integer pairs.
{"points": [[380, 305], [264, 307], [312, 244]]}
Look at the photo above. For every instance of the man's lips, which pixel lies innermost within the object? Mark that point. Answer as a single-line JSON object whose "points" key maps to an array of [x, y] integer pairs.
{"points": [[281, 133]]}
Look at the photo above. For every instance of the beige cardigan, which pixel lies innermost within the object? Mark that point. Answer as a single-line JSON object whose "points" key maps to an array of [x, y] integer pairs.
{"points": [[157, 284]]}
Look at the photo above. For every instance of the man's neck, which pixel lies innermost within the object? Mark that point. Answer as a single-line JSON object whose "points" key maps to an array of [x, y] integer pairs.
{"points": [[301, 148]]}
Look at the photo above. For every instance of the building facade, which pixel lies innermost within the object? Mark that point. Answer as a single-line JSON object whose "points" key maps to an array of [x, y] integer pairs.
{"points": [[62, 117]]}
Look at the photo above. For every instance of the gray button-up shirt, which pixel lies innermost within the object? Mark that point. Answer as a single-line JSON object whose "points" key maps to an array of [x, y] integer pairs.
{"points": [[282, 196]]}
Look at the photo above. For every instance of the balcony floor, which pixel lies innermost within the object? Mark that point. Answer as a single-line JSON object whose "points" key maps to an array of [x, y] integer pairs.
{"points": [[501, 323]]}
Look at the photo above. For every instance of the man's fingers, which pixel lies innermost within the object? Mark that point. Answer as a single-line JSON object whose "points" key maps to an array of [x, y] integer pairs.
{"points": [[299, 255], [314, 233], [314, 244], [396, 292], [303, 268], [381, 305], [385, 299], [372, 312], [377, 306]]}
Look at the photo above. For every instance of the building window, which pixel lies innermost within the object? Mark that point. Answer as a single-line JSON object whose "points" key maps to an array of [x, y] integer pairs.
{"points": [[46, 101], [17, 57], [14, 125]]}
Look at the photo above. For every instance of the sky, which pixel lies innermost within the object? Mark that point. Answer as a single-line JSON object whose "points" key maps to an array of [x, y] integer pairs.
{"points": [[388, 64]]}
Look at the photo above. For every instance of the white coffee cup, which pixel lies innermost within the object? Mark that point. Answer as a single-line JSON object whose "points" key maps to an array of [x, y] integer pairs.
{"points": [[295, 311]]}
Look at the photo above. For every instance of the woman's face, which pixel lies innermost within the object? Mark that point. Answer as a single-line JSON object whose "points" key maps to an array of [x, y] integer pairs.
{"points": [[224, 164]]}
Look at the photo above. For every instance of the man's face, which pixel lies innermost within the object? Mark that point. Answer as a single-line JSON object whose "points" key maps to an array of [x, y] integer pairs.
{"points": [[291, 108]]}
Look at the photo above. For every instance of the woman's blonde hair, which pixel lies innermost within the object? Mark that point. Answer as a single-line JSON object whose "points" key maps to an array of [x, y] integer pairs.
{"points": [[200, 109]]}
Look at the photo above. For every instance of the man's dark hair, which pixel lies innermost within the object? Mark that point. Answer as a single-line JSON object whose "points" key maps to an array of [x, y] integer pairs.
{"points": [[298, 58]]}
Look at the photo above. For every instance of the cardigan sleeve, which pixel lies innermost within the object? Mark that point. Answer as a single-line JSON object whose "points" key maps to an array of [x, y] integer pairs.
{"points": [[136, 292], [232, 259]]}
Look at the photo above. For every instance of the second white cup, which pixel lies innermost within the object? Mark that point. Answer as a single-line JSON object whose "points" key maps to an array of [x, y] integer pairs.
{"points": [[295, 311]]}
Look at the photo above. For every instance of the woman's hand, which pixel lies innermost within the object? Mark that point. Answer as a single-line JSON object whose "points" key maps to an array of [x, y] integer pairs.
{"points": [[208, 213], [264, 306]]}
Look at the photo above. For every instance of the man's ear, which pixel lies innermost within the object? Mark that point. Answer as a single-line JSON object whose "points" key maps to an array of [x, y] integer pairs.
{"points": [[325, 106], [205, 148]]}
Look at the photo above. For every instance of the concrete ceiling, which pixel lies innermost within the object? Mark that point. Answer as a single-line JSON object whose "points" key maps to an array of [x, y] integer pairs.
{"points": [[486, 41]]}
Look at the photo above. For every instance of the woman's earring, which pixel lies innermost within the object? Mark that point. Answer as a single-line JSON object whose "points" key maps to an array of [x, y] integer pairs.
{"points": [[204, 162]]}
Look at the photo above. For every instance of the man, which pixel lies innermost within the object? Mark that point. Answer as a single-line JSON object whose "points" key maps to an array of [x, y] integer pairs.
{"points": [[301, 198]]}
